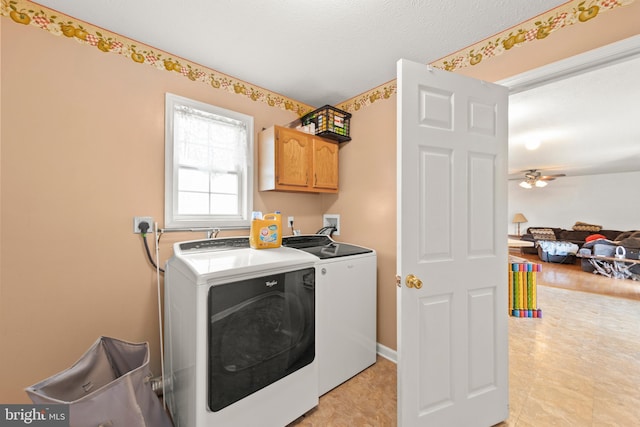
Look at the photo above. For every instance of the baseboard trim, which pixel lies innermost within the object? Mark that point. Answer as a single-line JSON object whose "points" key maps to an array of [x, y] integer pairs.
{"points": [[387, 353]]}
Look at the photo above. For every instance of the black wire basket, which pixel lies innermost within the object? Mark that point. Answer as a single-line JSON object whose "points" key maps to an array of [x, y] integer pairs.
{"points": [[330, 122]]}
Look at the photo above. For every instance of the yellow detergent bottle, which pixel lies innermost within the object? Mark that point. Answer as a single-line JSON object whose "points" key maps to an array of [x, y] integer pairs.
{"points": [[266, 232]]}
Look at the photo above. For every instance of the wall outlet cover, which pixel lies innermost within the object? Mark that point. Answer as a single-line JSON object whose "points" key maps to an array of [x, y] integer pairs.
{"points": [[138, 219]]}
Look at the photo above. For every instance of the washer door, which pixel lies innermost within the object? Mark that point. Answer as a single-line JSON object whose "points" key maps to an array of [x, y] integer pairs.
{"points": [[260, 330]]}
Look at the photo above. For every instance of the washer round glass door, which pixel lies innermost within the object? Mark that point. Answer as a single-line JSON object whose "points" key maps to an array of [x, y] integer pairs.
{"points": [[260, 330]]}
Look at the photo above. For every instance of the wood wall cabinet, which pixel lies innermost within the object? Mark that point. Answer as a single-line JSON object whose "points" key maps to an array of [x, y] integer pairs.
{"points": [[289, 160]]}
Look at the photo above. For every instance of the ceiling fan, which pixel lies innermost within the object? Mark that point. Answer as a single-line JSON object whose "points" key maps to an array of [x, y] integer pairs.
{"points": [[533, 178]]}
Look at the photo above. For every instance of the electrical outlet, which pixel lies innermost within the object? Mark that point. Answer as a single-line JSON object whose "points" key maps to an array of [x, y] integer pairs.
{"points": [[138, 219], [290, 221], [332, 220]]}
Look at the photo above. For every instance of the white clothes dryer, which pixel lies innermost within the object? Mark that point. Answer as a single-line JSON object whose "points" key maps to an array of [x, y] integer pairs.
{"points": [[346, 289]]}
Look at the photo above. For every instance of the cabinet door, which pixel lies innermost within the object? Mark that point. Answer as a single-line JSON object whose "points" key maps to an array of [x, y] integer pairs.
{"points": [[325, 164], [293, 152]]}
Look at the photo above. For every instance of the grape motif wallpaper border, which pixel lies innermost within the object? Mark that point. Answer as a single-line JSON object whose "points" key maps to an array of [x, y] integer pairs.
{"points": [[29, 13], [540, 27]]}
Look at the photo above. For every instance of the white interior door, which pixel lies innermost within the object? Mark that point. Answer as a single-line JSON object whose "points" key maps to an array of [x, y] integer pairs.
{"points": [[452, 231]]}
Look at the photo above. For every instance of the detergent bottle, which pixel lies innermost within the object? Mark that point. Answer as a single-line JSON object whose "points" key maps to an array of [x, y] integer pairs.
{"points": [[266, 232]]}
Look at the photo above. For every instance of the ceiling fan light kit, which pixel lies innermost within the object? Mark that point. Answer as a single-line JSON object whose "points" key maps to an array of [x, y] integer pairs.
{"points": [[533, 178], [530, 183]]}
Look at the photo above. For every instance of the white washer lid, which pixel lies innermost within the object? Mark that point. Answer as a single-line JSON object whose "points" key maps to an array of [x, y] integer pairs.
{"points": [[225, 263]]}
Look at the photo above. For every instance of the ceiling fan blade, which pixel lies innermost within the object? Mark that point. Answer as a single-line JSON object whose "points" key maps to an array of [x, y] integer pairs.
{"points": [[551, 177], [534, 175]]}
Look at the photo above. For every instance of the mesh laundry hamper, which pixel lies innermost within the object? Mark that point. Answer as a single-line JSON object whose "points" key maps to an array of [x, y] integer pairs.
{"points": [[108, 386]]}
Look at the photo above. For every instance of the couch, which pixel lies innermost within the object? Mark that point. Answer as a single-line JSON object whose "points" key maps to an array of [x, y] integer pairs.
{"points": [[586, 240], [578, 235]]}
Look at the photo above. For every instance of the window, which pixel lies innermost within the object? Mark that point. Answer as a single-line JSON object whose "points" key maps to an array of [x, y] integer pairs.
{"points": [[209, 165]]}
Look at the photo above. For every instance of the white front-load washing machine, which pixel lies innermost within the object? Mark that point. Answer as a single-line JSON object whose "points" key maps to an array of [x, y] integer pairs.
{"points": [[346, 289], [240, 344]]}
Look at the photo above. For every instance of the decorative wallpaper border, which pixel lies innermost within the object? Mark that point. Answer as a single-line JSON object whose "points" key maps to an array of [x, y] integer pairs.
{"points": [[29, 13], [538, 28]]}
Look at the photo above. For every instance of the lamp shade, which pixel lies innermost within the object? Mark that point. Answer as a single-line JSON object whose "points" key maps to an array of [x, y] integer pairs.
{"points": [[519, 218]]}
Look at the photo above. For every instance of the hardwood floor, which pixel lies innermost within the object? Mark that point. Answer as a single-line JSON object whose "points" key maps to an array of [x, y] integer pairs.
{"points": [[579, 365], [571, 276]]}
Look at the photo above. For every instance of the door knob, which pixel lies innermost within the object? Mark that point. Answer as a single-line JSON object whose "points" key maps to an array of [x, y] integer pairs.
{"points": [[413, 282]]}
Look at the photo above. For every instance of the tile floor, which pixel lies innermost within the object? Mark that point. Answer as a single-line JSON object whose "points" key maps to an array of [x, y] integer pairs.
{"points": [[579, 365]]}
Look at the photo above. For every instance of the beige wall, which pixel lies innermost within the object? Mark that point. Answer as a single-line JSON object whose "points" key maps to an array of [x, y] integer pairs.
{"points": [[367, 201], [82, 152], [82, 148]]}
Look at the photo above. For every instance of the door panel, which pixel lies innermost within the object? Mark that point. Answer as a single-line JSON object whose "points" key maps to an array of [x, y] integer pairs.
{"points": [[436, 108], [481, 207], [435, 351], [435, 224], [482, 342]]}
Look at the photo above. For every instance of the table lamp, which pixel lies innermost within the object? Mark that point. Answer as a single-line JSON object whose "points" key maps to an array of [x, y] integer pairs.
{"points": [[519, 219]]}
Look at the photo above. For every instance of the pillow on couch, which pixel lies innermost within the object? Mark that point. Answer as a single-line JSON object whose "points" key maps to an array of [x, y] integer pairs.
{"points": [[555, 230], [583, 226], [542, 233], [626, 234], [630, 242]]}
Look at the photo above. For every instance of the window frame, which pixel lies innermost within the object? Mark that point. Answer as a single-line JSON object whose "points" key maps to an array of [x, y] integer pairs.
{"points": [[174, 220]]}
